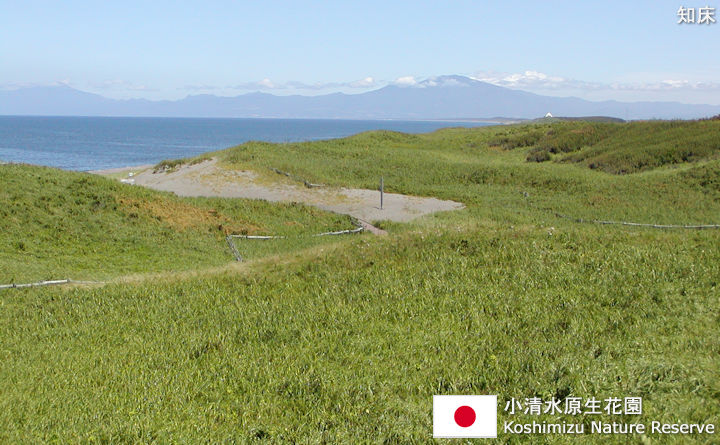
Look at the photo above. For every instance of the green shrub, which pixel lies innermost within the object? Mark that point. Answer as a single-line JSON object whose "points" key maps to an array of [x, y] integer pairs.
{"points": [[567, 137], [518, 139], [541, 155], [640, 146]]}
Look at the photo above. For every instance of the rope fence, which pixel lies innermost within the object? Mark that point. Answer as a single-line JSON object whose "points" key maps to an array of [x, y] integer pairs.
{"points": [[634, 224], [233, 248], [622, 223], [46, 283]]}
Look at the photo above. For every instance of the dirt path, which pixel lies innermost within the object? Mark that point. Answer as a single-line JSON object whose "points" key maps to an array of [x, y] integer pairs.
{"points": [[208, 179]]}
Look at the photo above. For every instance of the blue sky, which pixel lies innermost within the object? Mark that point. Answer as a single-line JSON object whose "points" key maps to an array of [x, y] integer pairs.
{"points": [[166, 50]]}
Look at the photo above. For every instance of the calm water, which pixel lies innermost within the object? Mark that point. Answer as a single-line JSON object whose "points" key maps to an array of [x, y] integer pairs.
{"points": [[94, 143]]}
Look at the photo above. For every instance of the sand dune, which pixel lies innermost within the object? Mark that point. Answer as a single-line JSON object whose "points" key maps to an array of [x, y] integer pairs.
{"points": [[209, 179]]}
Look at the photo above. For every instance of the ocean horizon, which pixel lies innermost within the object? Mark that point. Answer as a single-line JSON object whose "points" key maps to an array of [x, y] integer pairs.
{"points": [[98, 143]]}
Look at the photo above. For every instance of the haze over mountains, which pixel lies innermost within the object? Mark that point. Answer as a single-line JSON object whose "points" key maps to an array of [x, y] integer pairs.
{"points": [[443, 97]]}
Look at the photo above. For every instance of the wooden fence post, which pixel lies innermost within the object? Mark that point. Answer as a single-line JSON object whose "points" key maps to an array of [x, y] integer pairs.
{"points": [[382, 192]]}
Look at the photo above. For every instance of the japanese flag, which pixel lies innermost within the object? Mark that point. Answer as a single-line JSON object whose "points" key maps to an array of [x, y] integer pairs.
{"points": [[465, 416]]}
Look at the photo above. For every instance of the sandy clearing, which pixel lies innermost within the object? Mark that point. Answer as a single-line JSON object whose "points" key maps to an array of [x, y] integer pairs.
{"points": [[209, 179]]}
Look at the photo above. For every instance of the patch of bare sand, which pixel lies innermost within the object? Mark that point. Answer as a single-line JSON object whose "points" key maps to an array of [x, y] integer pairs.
{"points": [[209, 179]]}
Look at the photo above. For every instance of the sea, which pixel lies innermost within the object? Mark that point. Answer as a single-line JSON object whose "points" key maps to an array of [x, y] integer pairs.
{"points": [[99, 143]]}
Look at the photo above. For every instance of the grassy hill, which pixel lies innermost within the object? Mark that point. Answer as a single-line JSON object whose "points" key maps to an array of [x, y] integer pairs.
{"points": [[488, 168], [348, 341], [58, 224]]}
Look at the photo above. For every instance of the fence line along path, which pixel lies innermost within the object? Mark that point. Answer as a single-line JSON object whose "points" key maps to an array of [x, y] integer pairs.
{"points": [[360, 227], [46, 283]]}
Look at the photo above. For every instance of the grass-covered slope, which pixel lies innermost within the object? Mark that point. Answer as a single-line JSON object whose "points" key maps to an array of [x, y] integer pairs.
{"points": [[610, 147], [643, 146], [348, 345], [486, 168], [347, 342], [56, 224]]}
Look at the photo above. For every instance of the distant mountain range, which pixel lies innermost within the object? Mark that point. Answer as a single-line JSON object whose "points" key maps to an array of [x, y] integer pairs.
{"points": [[443, 97]]}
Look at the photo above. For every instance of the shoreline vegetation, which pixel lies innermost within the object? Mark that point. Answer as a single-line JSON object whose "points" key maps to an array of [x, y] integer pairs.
{"points": [[347, 339]]}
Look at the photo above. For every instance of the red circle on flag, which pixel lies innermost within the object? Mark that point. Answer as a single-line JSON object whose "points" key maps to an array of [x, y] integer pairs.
{"points": [[464, 416]]}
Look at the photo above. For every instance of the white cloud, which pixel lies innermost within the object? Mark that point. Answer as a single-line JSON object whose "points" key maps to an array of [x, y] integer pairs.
{"points": [[367, 82], [20, 85], [530, 80], [537, 81], [444, 81], [116, 85], [267, 84], [297, 85], [667, 85], [198, 88], [405, 81]]}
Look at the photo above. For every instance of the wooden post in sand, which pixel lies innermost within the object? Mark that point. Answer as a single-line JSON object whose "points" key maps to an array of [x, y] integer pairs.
{"points": [[382, 192]]}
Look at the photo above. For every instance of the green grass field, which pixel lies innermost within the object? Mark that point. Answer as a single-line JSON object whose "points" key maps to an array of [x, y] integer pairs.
{"points": [[346, 341], [60, 224]]}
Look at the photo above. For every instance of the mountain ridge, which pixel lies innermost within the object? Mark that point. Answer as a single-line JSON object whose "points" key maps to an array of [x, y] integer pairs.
{"points": [[433, 98]]}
